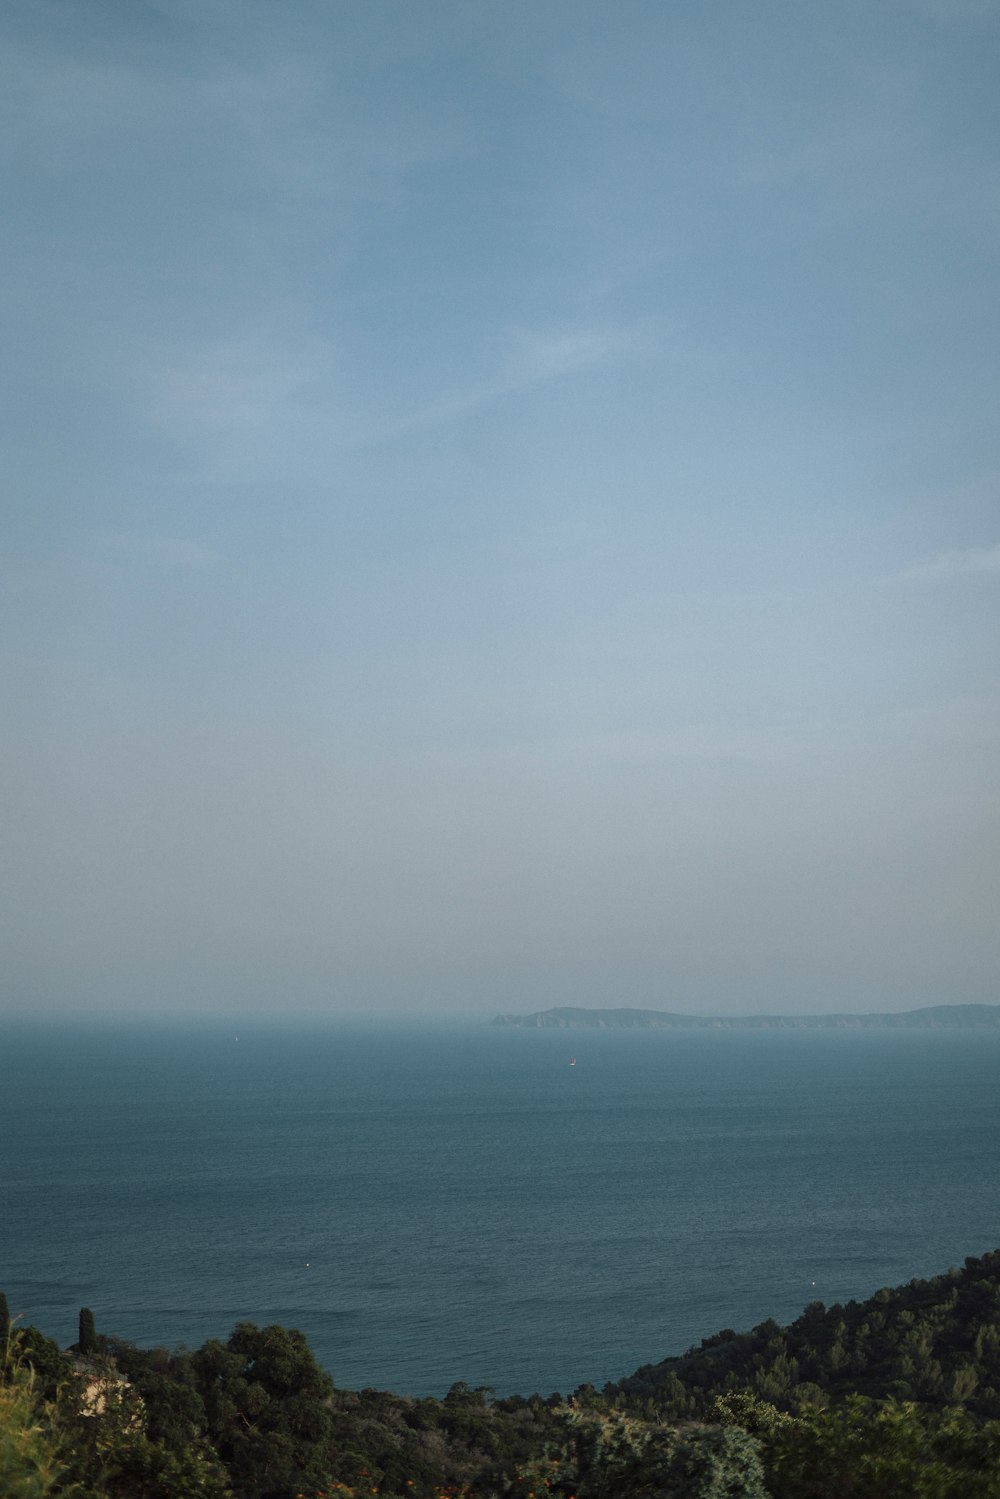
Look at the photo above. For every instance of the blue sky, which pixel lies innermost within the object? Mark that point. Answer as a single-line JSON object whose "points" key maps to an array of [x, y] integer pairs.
{"points": [[500, 504]]}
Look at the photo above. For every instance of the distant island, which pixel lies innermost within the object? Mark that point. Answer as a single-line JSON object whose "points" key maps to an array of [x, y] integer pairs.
{"points": [[570, 1017]]}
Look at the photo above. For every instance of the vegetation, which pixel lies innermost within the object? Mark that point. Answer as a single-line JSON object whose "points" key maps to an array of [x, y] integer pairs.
{"points": [[897, 1395], [86, 1342], [935, 1342], [31, 1465]]}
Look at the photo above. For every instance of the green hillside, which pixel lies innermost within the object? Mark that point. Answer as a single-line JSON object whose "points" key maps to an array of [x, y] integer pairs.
{"points": [[934, 1341]]}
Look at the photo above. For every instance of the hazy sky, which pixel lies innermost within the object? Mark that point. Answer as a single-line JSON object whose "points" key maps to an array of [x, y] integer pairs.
{"points": [[501, 503]]}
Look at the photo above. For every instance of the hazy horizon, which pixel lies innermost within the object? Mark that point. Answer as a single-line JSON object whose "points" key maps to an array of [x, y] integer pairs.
{"points": [[501, 507]]}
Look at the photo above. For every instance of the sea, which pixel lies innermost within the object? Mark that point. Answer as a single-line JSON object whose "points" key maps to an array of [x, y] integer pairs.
{"points": [[526, 1210]]}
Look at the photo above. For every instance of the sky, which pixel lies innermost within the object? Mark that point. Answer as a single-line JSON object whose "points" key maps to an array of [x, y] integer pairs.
{"points": [[500, 505]]}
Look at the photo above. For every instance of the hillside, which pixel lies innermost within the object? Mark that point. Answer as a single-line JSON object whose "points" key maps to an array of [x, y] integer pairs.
{"points": [[934, 1341]]}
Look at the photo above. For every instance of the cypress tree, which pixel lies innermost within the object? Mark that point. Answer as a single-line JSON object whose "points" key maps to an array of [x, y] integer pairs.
{"points": [[4, 1330], [87, 1341]]}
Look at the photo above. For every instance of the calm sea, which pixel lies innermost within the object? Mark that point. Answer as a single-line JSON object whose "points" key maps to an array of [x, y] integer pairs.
{"points": [[442, 1203]]}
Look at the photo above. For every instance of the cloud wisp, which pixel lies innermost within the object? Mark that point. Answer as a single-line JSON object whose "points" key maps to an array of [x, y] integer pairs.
{"points": [[969, 562], [281, 397]]}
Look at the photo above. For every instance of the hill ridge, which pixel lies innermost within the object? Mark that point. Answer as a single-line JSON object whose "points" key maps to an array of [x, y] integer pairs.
{"points": [[929, 1017]]}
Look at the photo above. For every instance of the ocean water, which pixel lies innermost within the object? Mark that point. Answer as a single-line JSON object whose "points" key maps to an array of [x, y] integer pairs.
{"points": [[438, 1203]]}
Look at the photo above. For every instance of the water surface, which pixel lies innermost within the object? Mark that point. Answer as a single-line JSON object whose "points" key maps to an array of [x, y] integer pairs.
{"points": [[458, 1202]]}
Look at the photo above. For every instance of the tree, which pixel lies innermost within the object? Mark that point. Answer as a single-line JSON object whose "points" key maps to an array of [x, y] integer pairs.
{"points": [[113, 1455], [87, 1342], [266, 1404], [870, 1450], [30, 1349]]}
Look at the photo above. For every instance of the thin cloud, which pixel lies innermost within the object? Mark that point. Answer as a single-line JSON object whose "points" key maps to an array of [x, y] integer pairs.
{"points": [[532, 359], [545, 356], [273, 398], [971, 562], [171, 551], [268, 401]]}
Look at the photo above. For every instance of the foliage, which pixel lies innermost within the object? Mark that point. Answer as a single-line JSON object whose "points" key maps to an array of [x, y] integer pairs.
{"points": [[868, 1451], [266, 1411], [32, 1462], [757, 1416], [30, 1349], [934, 1342], [115, 1457], [606, 1457], [87, 1341]]}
